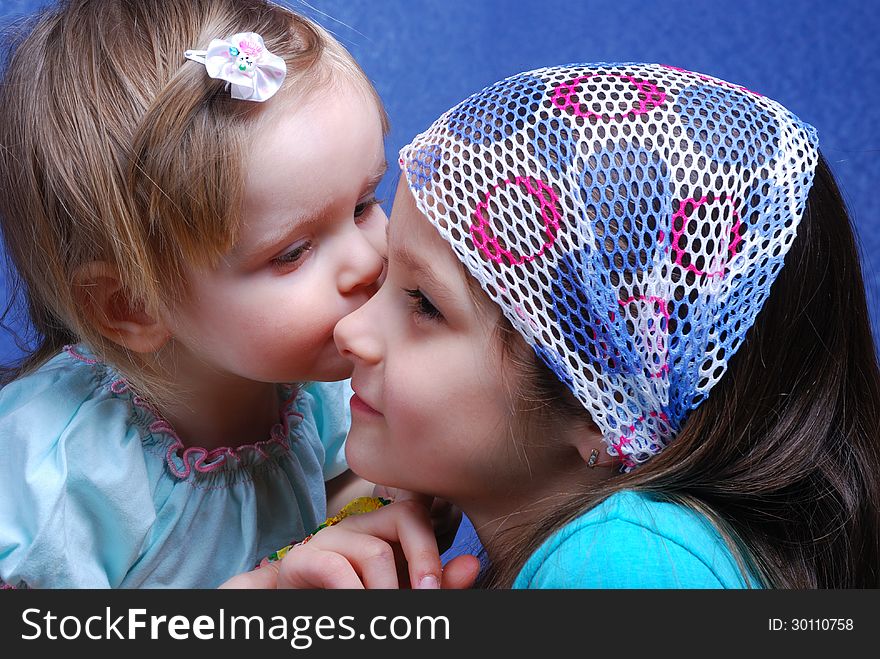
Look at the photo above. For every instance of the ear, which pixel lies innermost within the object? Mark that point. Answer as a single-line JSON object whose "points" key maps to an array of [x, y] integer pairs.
{"points": [[590, 446], [113, 314]]}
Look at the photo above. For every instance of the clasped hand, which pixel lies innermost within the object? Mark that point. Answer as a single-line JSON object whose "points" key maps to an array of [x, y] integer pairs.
{"points": [[393, 547]]}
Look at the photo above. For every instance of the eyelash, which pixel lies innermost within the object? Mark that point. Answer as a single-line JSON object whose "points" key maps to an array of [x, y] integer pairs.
{"points": [[294, 256], [362, 208], [421, 306]]}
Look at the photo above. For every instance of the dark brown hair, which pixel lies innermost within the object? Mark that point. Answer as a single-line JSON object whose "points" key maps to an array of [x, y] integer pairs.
{"points": [[784, 454]]}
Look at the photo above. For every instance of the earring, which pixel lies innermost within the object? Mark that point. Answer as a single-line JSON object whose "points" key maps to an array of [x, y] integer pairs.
{"points": [[593, 459]]}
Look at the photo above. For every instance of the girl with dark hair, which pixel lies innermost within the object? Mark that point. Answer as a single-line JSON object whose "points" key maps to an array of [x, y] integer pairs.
{"points": [[624, 328]]}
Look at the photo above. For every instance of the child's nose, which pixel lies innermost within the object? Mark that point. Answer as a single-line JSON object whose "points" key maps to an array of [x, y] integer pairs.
{"points": [[363, 266], [355, 335]]}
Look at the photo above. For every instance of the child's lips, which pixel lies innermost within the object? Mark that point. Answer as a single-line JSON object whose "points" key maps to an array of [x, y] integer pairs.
{"points": [[358, 404]]}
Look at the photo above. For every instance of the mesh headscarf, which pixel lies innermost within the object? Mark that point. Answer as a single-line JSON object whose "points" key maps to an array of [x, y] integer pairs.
{"points": [[629, 220]]}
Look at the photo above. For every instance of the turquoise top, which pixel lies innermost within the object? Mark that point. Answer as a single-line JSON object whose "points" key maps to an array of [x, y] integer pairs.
{"points": [[633, 541], [97, 491]]}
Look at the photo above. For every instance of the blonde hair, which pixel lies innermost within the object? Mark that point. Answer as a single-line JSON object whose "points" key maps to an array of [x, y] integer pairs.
{"points": [[115, 148]]}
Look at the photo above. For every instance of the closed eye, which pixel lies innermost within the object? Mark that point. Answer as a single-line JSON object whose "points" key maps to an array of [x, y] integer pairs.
{"points": [[292, 258], [422, 306], [363, 207]]}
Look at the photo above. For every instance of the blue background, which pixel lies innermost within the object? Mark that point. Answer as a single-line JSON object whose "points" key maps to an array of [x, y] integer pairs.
{"points": [[820, 59]]}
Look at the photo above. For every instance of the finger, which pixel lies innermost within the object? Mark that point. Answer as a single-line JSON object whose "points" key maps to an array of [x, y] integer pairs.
{"points": [[407, 523], [372, 558], [461, 572], [303, 567], [263, 577]]}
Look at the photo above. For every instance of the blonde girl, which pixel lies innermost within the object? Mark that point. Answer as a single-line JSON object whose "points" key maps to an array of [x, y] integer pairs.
{"points": [[188, 195]]}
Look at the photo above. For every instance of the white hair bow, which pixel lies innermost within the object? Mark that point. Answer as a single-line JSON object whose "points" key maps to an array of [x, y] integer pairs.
{"points": [[244, 62]]}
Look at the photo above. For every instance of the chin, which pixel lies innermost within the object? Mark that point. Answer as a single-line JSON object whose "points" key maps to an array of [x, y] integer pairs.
{"points": [[361, 455]]}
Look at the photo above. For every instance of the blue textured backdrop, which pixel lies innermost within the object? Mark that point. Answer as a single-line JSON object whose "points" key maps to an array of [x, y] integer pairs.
{"points": [[820, 59]]}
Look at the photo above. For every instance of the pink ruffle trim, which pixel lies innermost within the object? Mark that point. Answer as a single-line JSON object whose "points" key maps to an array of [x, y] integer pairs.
{"points": [[197, 458]]}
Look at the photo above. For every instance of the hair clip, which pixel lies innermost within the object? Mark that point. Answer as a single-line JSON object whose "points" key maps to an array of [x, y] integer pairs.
{"points": [[243, 61]]}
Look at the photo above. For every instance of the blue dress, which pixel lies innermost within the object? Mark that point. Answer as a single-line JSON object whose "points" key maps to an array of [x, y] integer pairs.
{"points": [[631, 540], [96, 490]]}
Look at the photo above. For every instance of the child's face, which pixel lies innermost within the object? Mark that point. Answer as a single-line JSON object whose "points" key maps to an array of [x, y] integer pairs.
{"points": [[308, 251], [432, 408]]}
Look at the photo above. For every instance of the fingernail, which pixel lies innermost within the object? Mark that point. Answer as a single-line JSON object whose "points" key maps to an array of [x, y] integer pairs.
{"points": [[429, 581]]}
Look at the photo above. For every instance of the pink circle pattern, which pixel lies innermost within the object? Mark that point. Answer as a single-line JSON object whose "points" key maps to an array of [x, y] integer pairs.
{"points": [[481, 229], [679, 223], [565, 97]]}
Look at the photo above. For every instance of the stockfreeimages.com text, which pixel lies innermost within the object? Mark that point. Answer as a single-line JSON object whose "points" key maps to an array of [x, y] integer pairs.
{"points": [[300, 631]]}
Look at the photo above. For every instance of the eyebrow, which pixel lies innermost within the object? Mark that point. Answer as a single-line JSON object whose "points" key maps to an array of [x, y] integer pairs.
{"points": [[298, 221], [418, 266]]}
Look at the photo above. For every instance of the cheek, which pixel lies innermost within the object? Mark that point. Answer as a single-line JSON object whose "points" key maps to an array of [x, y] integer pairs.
{"points": [[418, 394], [267, 330], [281, 310], [448, 406], [377, 236], [291, 332]]}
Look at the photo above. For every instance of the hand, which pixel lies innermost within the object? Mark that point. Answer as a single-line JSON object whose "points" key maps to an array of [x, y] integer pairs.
{"points": [[445, 517], [392, 547]]}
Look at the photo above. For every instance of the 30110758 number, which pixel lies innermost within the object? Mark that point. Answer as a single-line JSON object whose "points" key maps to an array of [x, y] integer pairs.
{"points": [[810, 624]]}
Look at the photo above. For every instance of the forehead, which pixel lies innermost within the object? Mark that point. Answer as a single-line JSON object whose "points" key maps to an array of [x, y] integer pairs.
{"points": [[309, 155], [335, 126], [411, 235]]}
